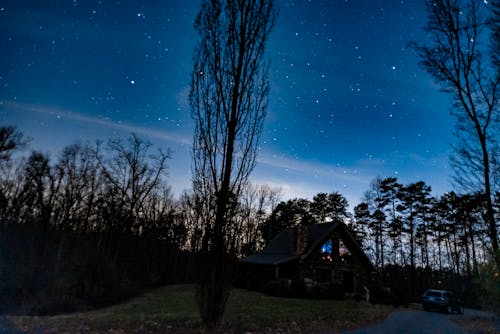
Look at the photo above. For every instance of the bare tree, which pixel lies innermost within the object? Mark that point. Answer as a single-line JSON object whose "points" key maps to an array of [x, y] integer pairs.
{"points": [[495, 55], [131, 174], [10, 139], [39, 189], [254, 205], [457, 58], [77, 171], [228, 98]]}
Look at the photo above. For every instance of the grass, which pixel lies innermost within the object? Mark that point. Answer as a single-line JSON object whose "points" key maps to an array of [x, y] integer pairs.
{"points": [[172, 309]]}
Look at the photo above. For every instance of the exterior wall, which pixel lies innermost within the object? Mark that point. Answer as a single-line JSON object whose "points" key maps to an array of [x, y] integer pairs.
{"points": [[289, 270], [271, 272], [348, 269], [345, 262]]}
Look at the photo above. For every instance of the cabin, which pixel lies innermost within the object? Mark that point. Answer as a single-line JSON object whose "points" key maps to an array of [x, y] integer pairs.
{"points": [[320, 252]]}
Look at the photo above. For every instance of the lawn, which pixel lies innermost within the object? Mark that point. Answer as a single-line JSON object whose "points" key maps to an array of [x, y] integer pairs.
{"points": [[172, 309]]}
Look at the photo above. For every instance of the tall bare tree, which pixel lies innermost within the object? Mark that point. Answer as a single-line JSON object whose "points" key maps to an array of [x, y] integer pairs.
{"points": [[495, 55], [457, 57], [228, 98]]}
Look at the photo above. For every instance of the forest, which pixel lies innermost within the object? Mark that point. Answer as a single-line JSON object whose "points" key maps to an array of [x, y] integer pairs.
{"points": [[99, 223], [96, 223]]}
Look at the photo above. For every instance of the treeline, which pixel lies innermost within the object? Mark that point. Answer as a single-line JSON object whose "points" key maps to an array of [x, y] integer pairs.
{"points": [[87, 228], [415, 240], [427, 241], [99, 222], [402, 225], [405, 225]]}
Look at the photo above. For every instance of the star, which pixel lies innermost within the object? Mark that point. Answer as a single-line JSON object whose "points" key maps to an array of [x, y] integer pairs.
{"points": [[336, 64]]}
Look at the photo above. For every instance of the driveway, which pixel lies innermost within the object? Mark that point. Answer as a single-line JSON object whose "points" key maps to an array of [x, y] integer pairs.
{"points": [[420, 322]]}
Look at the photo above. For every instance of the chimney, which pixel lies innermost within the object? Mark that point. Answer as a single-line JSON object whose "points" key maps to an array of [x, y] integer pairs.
{"points": [[298, 239]]}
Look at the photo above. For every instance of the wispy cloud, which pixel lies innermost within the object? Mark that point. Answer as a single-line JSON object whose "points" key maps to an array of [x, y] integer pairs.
{"points": [[307, 188], [99, 121], [315, 169], [299, 178], [290, 189]]}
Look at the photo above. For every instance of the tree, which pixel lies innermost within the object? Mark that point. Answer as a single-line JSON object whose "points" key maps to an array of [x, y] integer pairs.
{"points": [[256, 203], [457, 59], [495, 55], [331, 206], [295, 211], [10, 139], [362, 220], [389, 188], [228, 98], [413, 207], [39, 189], [378, 223], [76, 171], [495, 27], [414, 199], [130, 173], [439, 226]]}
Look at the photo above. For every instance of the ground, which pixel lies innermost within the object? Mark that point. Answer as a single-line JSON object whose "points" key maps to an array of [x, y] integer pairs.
{"points": [[414, 320], [476, 321], [172, 309]]}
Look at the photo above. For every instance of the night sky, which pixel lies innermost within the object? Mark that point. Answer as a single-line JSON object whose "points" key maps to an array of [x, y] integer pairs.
{"points": [[348, 100]]}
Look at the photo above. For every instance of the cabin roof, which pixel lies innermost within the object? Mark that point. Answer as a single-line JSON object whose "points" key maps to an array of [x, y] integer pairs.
{"points": [[279, 250]]}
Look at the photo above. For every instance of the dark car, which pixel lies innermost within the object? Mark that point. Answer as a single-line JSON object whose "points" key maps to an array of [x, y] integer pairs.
{"points": [[441, 300]]}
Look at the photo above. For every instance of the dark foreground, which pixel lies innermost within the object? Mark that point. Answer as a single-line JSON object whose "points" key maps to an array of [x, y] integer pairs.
{"points": [[172, 309]]}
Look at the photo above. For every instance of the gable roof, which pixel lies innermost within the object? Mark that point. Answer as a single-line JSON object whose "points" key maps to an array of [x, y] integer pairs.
{"points": [[279, 250]]}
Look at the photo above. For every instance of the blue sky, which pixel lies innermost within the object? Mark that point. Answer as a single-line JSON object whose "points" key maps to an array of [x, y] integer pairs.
{"points": [[348, 100]]}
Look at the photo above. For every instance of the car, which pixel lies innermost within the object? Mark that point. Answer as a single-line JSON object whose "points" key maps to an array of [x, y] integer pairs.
{"points": [[441, 300]]}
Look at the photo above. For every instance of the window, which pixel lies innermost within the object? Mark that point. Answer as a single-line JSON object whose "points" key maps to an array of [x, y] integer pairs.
{"points": [[327, 252]]}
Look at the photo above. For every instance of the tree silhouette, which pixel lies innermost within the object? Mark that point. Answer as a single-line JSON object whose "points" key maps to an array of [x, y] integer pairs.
{"points": [[77, 171], [295, 211], [10, 139], [361, 222], [331, 206], [228, 98], [130, 174], [457, 59], [255, 204], [377, 222], [389, 188]]}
